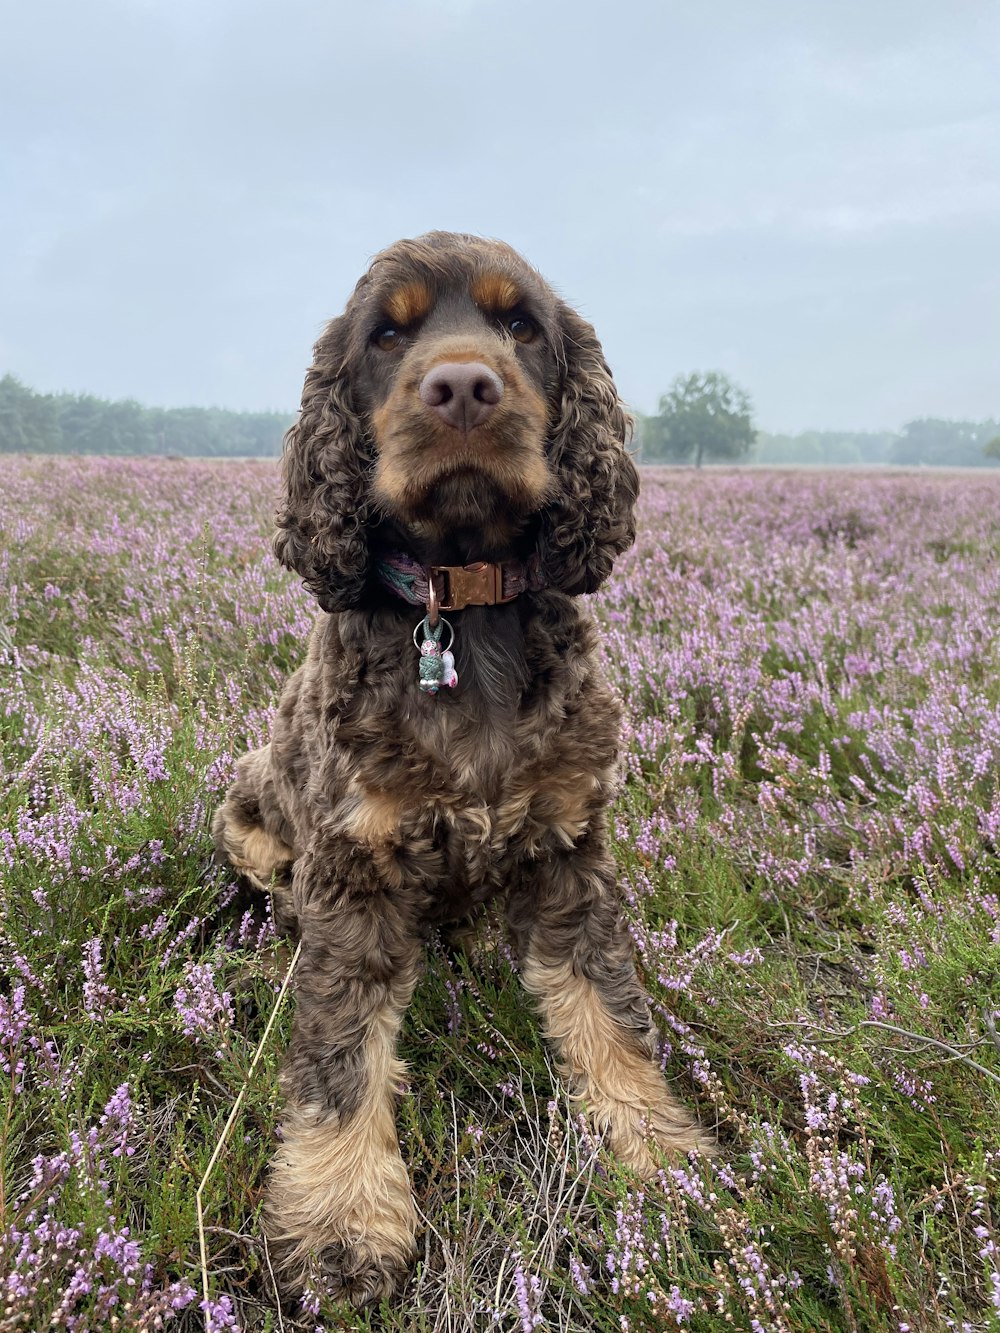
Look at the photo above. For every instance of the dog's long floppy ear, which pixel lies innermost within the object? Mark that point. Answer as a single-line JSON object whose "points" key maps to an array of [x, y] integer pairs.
{"points": [[325, 469], [591, 517]]}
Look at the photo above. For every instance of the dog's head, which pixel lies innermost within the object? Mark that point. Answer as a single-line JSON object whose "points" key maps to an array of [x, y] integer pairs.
{"points": [[458, 402]]}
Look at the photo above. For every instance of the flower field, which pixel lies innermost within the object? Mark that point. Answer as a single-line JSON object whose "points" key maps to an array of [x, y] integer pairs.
{"points": [[807, 830]]}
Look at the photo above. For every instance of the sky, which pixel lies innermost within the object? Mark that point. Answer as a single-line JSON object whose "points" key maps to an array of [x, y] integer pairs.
{"points": [[805, 196]]}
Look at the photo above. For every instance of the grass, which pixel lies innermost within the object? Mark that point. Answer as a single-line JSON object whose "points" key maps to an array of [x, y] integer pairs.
{"points": [[807, 838]]}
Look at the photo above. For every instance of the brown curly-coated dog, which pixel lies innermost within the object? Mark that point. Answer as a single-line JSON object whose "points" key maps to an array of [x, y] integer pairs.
{"points": [[457, 415]]}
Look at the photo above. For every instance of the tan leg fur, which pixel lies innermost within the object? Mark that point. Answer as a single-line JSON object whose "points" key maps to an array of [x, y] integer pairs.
{"points": [[624, 1093], [339, 1204]]}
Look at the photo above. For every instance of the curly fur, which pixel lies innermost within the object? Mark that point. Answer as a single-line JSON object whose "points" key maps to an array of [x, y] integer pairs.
{"points": [[590, 518], [325, 466], [376, 811]]}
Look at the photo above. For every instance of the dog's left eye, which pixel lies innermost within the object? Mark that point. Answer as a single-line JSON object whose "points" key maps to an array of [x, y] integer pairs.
{"points": [[387, 337], [521, 328]]}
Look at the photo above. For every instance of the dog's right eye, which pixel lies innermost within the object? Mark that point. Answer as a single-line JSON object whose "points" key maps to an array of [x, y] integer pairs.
{"points": [[387, 337]]}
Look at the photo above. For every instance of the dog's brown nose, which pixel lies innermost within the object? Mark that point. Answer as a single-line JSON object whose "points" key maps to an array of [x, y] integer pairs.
{"points": [[462, 393]]}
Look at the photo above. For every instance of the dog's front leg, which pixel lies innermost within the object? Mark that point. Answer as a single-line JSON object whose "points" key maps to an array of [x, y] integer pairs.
{"points": [[576, 959], [339, 1212]]}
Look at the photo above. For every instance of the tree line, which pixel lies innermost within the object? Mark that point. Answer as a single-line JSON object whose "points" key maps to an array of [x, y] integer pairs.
{"points": [[57, 423], [704, 417]]}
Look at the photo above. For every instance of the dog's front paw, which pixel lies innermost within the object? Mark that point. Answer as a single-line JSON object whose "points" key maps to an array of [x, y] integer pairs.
{"points": [[633, 1131], [353, 1269], [641, 1118], [339, 1213]]}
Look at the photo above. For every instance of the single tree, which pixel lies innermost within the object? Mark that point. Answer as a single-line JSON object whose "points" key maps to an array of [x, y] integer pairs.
{"points": [[703, 416]]}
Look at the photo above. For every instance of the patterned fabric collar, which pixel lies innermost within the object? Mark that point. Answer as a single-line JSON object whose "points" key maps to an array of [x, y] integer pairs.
{"points": [[458, 586]]}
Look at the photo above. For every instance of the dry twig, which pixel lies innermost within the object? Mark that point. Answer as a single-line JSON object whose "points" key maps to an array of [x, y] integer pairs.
{"points": [[217, 1152], [953, 1051]]}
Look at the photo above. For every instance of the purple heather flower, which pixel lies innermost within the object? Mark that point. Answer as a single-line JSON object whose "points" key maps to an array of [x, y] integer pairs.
{"points": [[204, 1011], [98, 997], [219, 1315], [528, 1292]]}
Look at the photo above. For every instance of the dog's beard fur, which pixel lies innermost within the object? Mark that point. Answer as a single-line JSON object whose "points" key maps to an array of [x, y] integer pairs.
{"points": [[466, 515], [463, 497]]}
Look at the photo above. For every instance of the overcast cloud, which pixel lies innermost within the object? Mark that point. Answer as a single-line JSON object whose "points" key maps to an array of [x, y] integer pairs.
{"points": [[806, 196]]}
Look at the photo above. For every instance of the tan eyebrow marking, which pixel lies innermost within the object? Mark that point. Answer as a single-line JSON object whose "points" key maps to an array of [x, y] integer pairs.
{"points": [[495, 291], [409, 303]]}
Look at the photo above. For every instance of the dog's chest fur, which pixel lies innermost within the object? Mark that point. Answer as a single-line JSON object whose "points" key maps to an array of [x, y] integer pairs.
{"points": [[441, 792], [466, 801]]}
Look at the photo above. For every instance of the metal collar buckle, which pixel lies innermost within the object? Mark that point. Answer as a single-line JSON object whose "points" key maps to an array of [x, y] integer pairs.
{"points": [[479, 584]]}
